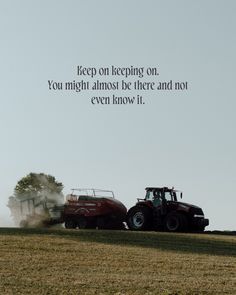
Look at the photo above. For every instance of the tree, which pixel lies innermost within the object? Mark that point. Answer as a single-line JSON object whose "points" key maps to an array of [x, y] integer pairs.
{"points": [[35, 184]]}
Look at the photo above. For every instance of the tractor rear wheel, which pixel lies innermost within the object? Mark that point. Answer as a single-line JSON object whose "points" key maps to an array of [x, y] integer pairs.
{"points": [[138, 218], [176, 222]]}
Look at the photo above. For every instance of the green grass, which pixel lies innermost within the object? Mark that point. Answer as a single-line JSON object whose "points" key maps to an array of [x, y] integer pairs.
{"points": [[59, 261]]}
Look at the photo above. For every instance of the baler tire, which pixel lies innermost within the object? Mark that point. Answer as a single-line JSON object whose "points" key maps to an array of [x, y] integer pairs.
{"points": [[70, 224], [82, 222], [100, 222]]}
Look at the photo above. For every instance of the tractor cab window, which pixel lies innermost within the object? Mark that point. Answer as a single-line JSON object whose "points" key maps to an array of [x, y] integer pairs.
{"points": [[154, 197], [149, 196], [170, 196]]}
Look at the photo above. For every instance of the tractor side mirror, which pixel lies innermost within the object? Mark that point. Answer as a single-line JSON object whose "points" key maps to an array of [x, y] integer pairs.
{"points": [[181, 195]]}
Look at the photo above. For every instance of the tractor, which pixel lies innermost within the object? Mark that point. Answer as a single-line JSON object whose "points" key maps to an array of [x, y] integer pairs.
{"points": [[161, 210]]}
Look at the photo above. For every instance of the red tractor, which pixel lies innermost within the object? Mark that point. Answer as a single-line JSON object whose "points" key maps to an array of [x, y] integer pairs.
{"points": [[161, 210], [93, 208]]}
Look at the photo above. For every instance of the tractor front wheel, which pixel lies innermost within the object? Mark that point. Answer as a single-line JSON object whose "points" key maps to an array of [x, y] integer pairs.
{"points": [[138, 218], [176, 222]]}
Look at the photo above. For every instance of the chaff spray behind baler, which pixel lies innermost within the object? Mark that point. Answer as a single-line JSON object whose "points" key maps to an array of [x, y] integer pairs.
{"points": [[38, 211]]}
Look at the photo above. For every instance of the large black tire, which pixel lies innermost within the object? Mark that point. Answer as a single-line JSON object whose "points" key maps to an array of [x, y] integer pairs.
{"points": [[106, 222], [200, 229], [100, 222], [176, 222], [185, 223], [139, 218], [70, 224], [82, 222]]}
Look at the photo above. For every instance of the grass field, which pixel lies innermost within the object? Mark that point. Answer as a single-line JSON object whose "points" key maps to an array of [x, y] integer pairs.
{"points": [[59, 261]]}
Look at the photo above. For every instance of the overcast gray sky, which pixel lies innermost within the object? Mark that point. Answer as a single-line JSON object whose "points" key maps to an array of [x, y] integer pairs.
{"points": [[182, 139]]}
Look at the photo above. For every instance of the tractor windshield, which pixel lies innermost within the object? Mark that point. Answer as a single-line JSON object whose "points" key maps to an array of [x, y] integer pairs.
{"points": [[149, 196], [169, 195]]}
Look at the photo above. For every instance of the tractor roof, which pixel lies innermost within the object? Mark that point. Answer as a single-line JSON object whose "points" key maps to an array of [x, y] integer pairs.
{"points": [[159, 188]]}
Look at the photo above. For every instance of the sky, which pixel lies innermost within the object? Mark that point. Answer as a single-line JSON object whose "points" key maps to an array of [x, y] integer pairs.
{"points": [[184, 139]]}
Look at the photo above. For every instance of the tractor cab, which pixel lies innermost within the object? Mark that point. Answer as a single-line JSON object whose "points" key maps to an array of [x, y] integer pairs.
{"points": [[159, 195]]}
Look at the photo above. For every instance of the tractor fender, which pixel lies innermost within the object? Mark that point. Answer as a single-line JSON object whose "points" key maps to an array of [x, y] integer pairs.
{"points": [[138, 206]]}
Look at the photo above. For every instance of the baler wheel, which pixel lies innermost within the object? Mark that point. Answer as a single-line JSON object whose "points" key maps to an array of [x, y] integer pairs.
{"points": [[82, 222], [70, 224]]}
